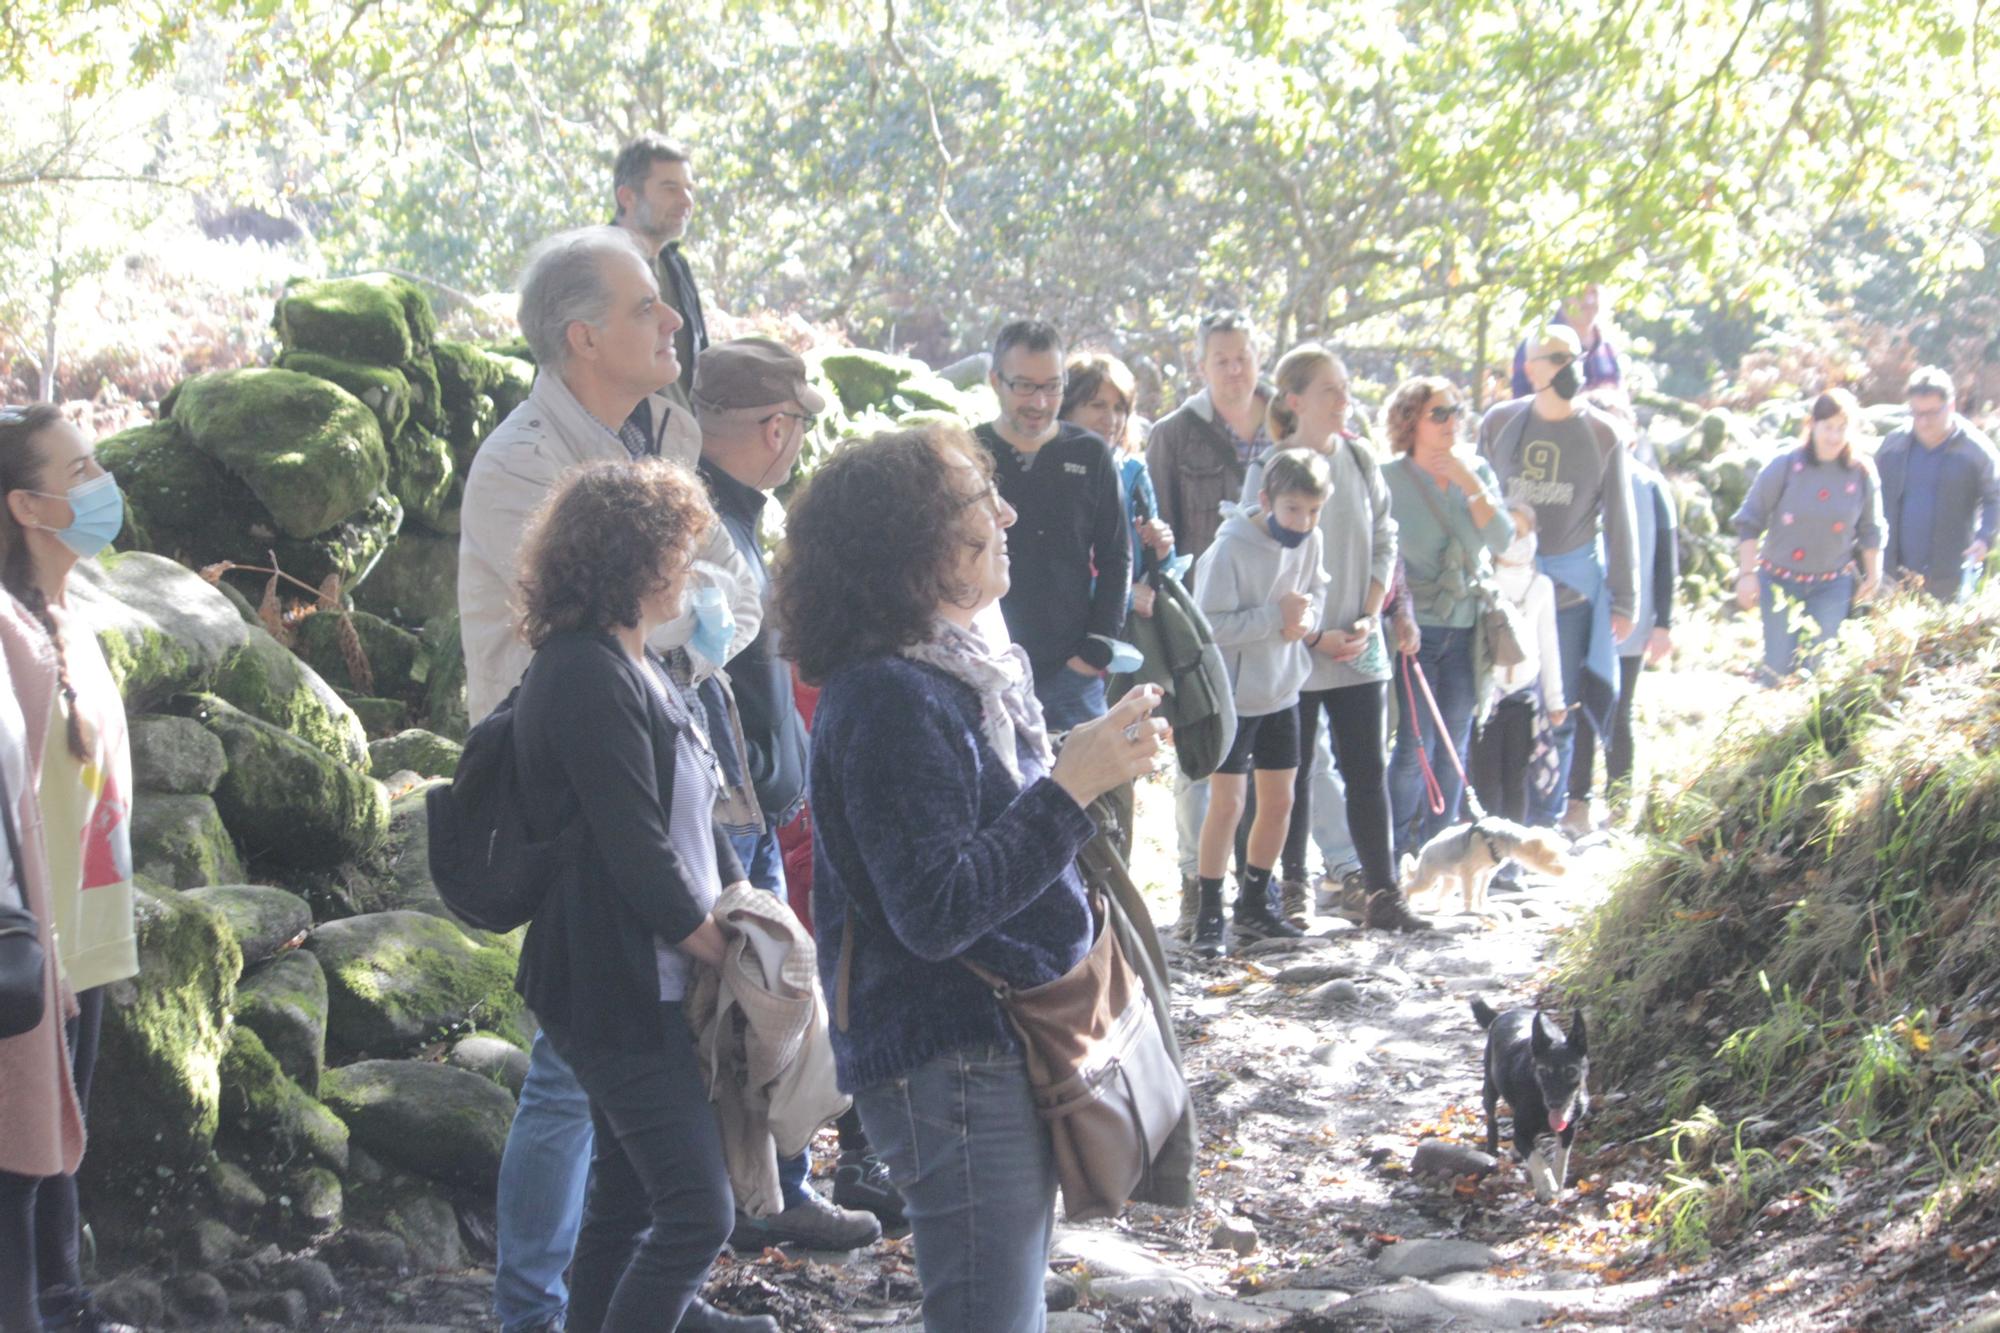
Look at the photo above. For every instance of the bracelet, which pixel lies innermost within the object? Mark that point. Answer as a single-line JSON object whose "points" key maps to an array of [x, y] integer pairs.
{"points": [[1313, 642]]}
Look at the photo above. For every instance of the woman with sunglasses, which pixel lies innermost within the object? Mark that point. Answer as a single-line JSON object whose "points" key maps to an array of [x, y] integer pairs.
{"points": [[1450, 524]]}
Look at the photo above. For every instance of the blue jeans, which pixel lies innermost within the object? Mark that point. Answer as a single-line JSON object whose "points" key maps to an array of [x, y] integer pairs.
{"points": [[1069, 698], [764, 866], [1446, 659], [1573, 646], [540, 1206], [963, 1143], [1787, 649]]}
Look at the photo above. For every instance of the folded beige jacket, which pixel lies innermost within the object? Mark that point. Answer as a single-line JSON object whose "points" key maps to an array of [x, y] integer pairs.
{"points": [[760, 1030]]}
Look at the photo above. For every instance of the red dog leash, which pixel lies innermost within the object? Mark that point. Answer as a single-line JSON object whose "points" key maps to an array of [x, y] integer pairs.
{"points": [[1433, 790]]}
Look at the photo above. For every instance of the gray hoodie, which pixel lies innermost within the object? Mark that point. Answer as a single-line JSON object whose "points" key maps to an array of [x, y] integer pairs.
{"points": [[1238, 581]]}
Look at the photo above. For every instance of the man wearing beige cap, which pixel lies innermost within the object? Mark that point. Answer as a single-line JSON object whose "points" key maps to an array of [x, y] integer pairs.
{"points": [[754, 407], [1565, 459]]}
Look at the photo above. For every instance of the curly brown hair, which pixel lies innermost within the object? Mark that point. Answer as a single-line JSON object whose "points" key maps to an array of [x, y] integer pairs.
{"points": [[608, 535], [1400, 413], [871, 548]]}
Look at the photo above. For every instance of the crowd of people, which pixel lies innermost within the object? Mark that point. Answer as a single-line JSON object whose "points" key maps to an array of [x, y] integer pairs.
{"points": [[901, 724]]}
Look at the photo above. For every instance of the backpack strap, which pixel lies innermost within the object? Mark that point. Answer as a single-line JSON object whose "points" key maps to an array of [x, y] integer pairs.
{"points": [[846, 970]]}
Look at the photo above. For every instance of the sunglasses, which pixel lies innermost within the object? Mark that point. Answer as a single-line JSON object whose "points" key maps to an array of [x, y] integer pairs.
{"points": [[1443, 413]]}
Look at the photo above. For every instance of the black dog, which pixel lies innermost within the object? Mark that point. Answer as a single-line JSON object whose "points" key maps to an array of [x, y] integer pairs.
{"points": [[1542, 1074]]}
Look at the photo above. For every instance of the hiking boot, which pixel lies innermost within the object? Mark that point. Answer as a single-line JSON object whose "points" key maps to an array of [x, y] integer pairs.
{"points": [[701, 1317], [1184, 924], [1211, 934], [1576, 822], [1295, 903], [1257, 918], [1388, 909], [812, 1223], [861, 1181]]}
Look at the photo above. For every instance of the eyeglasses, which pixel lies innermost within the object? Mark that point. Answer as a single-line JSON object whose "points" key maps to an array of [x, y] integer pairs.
{"points": [[1443, 412], [1021, 388], [799, 417]]}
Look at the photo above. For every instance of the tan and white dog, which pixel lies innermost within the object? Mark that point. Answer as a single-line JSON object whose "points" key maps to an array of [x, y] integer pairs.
{"points": [[1469, 855]]}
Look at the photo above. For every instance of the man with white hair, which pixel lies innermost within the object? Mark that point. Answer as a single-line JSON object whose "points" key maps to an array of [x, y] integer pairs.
{"points": [[604, 342], [1566, 459]]}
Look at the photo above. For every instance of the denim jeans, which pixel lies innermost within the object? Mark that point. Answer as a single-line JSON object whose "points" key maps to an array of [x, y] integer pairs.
{"points": [[1572, 646], [1069, 698], [1446, 660], [764, 866], [539, 1210], [660, 1207], [1826, 604], [963, 1143]]}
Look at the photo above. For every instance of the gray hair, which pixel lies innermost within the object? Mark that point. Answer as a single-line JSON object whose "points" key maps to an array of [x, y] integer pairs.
{"points": [[1931, 379], [1222, 321], [564, 283]]}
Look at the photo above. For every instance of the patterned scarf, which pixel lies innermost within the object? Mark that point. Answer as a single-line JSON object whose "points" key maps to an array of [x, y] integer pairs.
{"points": [[1009, 714]]}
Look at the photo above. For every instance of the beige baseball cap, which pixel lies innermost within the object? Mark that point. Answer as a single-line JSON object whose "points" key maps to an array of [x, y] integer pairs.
{"points": [[753, 372]]}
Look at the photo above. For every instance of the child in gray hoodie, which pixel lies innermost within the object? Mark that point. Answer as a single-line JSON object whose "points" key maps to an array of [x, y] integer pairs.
{"points": [[1261, 585]]}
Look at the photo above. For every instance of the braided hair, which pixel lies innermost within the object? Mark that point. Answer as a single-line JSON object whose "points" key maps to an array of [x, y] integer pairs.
{"points": [[21, 464]]}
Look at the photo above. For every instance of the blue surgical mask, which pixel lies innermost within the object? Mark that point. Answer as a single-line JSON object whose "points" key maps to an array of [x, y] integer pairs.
{"points": [[1125, 658], [713, 625], [97, 515], [1283, 535]]}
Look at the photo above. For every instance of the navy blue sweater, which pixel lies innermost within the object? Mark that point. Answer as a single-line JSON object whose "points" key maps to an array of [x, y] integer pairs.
{"points": [[925, 839]]}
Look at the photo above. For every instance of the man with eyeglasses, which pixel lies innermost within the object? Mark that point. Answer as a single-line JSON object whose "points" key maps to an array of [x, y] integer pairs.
{"points": [[754, 406], [1564, 458], [1070, 559], [1940, 492]]}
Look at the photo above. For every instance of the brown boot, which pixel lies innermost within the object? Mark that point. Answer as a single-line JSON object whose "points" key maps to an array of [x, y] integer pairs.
{"points": [[1190, 907], [1388, 909], [1295, 902]]}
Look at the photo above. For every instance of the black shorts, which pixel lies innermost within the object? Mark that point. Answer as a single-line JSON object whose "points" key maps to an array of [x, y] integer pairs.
{"points": [[1271, 740]]}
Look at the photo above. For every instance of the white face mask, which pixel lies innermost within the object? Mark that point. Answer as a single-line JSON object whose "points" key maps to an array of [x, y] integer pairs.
{"points": [[1520, 551]]}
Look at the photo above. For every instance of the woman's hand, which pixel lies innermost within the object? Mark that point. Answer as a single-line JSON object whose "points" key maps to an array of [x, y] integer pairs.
{"points": [[1112, 750], [704, 943], [1558, 716], [1342, 645], [1142, 599], [1408, 637], [1747, 588], [1155, 533]]}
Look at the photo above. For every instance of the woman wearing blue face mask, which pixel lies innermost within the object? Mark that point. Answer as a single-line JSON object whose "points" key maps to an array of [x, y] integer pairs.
{"points": [[61, 506]]}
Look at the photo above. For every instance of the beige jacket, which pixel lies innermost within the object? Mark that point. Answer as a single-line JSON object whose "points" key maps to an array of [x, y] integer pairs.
{"points": [[513, 472], [760, 1030]]}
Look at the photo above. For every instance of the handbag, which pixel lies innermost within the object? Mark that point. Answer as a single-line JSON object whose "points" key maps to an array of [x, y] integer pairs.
{"points": [[1499, 625], [1103, 1079], [23, 964]]}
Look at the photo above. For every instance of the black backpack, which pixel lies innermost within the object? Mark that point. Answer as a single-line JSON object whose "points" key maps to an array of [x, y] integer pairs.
{"points": [[487, 867]]}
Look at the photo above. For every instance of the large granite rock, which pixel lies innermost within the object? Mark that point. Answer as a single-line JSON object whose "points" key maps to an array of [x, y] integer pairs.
{"points": [[285, 799], [431, 1119], [398, 979]]}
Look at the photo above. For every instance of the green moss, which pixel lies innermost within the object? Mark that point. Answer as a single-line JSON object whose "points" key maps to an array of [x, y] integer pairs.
{"points": [[444, 689], [375, 318], [416, 751], [284, 1003], [866, 378], [398, 979], [180, 841], [286, 800], [264, 1110], [179, 502], [422, 476], [480, 388], [380, 717], [392, 654], [432, 1119], [384, 391], [310, 451], [266, 680]]}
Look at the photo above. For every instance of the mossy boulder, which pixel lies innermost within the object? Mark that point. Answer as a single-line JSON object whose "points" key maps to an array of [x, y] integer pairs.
{"points": [[374, 318], [263, 919], [479, 389], [310, 451], [863, 378], [174, 755], [380, 717], [264, 1111], [431, 1119], [1728, 479], [269, 681], [444, 678], [423, 478], [383, 390], [415, 581], [163, 628], [158, 1083], [285, 799], [284, 1002], [413, 751], [406, 878], [181, 842], [398, 979], [490, 1057], [392, 654]]}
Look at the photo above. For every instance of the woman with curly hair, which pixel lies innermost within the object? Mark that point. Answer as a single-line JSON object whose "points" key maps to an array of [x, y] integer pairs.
{"points": [[1449, 526], [614, 758], [945, 830]]}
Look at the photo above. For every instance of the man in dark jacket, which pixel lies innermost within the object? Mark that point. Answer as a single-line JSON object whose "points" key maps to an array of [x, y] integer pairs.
{"points": [[754, 406], [1197, 453], [1940, 492], [1071, 559], [653, 184]]}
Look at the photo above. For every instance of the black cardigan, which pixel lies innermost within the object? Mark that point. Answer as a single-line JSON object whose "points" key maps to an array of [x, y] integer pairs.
{"points": [[595, 746]]}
